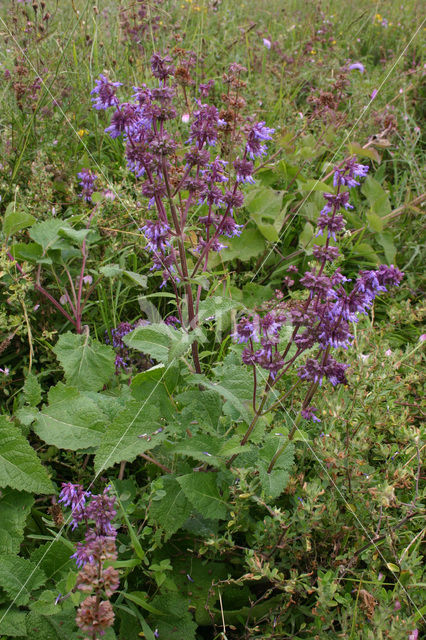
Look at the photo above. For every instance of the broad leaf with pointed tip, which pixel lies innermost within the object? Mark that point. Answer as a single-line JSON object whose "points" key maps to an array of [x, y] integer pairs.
{"points": [[20, 467], [71, 420], [88, 364]]}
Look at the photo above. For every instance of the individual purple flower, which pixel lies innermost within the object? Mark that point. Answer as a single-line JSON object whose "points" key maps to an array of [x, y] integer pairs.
{"points": [[205, 125], [157, 234], [230, 228], [351, 169], [101, 510], [373, 94], [318, 284], [334, 202], [104, 93], [205, 88], [357, 66], [266, 43], [172, 321], [334, 224], [87, 183], [233, 199], [244, 169], [74, 496], [245, 331], [126, 116], [309, 414], [258, 133], [162, 66], [325, 254]]}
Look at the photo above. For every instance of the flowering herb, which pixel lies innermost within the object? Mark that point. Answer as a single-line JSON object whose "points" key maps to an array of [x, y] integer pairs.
{"points": [[182, 175], [323, 320], [96, 512]]}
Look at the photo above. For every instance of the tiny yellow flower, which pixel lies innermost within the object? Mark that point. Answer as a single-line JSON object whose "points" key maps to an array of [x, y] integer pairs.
{"points": [[333, 42], [379, 17], [82, 132]]}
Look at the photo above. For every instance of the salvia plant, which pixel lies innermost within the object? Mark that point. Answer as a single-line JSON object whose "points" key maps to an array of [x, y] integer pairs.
{"points": [[213, 393]]}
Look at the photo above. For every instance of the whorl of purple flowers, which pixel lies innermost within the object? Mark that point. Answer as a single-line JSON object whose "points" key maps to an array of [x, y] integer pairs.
{"points": [[324, 318], [122, 351], [98, 511], [151, 155], [87, 183]]}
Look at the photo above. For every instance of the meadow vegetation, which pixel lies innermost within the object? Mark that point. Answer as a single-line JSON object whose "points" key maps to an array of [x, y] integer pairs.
{"points": [[212, 320]]}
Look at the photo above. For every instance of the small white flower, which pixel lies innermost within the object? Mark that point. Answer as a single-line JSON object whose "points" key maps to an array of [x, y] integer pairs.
{"points": [[388, 353], [267, 43], [185, 118]]}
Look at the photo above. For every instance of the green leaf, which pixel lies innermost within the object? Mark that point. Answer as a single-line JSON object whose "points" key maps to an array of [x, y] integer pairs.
{"points": [[216, 307], [111, 270], [249, 244], [274, 483], [46, 233], [177, 624], [123, 441], [54, 559], [385, 240], [172, 510], [375, 222], [157, 383], [14, 509], [12, 622], [26, 251], [362, 152], [306, 237], [71, 420], [20, 467], [312, 186], [18, 577], [140, 598], [15, 220], [203, 408], [265, 207], [75, 235], [153, 339], [202, 491], [59, 627], [376, 196], [137, 278], [88, 364], [32, 390], [234, 383]]}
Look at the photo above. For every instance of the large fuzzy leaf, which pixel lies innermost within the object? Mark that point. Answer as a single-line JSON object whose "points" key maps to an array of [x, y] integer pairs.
{"points": [[177, 623], [172, 508], [88, 364], [71, 420], [14, 509], [18, 577], [202, 491], [12, 622], [20, 467], [53, 558], [59, 627], [134, 431]]}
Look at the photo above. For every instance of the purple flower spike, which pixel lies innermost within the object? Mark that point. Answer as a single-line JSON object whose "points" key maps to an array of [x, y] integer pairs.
{"points": [[104, 93], [87, 184]]}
